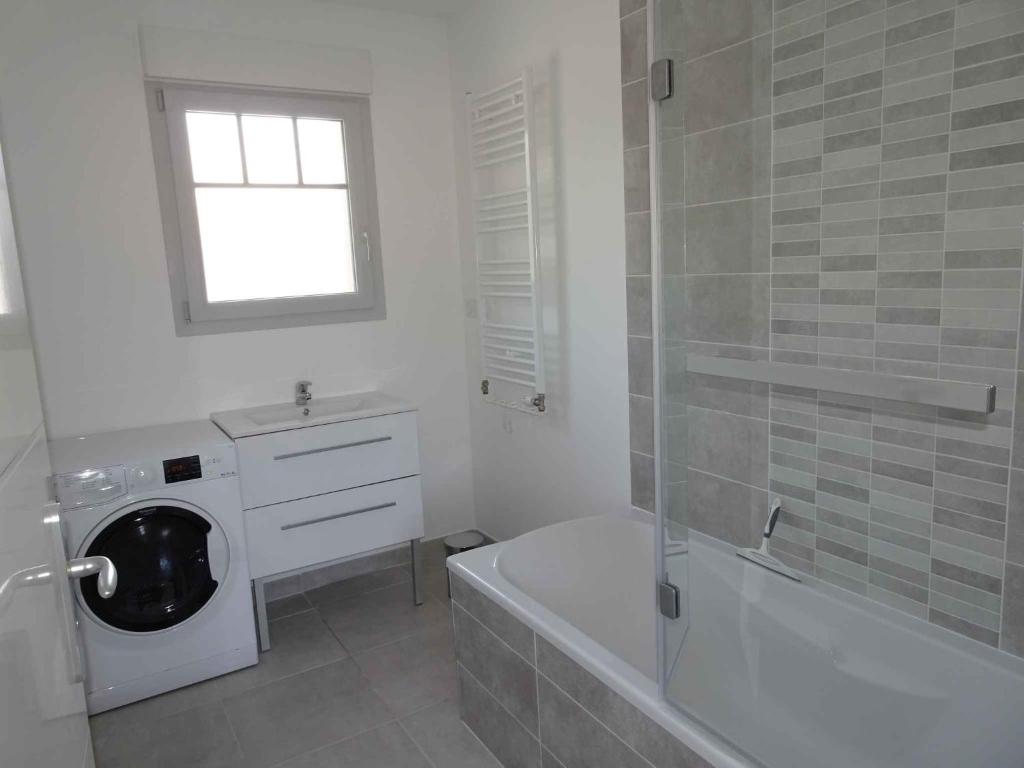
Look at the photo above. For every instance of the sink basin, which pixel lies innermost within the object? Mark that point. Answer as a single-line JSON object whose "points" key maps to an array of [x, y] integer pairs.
{"points": [[247, 422], [289, 413]]}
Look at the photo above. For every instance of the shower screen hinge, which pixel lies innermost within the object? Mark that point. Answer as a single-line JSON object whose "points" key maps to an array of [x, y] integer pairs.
{"points": [[668, 600], [187, 312], [661, 80], [160, 106]]}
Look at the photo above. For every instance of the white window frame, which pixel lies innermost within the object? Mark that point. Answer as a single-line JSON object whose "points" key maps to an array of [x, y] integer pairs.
{"points": [[193, 313]]}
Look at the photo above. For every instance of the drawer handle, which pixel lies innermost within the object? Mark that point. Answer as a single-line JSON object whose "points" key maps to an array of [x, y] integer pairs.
{"points": [[312, 451], [338, 516]]}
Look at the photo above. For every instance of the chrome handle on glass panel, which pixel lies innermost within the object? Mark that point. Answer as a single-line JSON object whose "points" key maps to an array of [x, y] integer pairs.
{"points": [[81, 567]]}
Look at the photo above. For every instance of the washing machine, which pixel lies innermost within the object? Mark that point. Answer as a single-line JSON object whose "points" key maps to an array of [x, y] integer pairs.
{"points": [[163, 503]]}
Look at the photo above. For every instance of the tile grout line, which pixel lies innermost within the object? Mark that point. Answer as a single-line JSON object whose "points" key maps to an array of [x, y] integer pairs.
{"points": [[418, 746], [536, 681], [878, 250], [771, 245], [395, 720], [494, 634], [723, 126], [231, 728], [350, 737], [942, 302], [505, 709], [817, 335], [669, 51], [595, 718]]}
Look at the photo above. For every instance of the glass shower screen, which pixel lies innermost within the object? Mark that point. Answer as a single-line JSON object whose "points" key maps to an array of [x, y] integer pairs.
{"points": [[669, 288]]}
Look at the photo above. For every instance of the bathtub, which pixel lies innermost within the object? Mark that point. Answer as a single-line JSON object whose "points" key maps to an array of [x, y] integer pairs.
{"points": [[799, 675]]}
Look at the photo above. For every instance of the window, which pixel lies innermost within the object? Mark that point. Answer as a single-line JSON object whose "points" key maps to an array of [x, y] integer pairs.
{"points": [[269, 204]]}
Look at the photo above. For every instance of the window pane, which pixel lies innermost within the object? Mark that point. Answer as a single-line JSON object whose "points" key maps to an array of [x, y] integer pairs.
{"points": [[275, 243], [213, 145], [269, 149], [322, 149]]}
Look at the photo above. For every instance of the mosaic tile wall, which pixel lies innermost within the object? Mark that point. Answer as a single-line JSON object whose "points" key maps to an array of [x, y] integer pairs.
{"points": [[897, 206], [852, 197]]}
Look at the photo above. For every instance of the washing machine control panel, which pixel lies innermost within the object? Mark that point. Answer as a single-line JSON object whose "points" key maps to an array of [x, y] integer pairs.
{"points": [[183, 469], [91, 487]]}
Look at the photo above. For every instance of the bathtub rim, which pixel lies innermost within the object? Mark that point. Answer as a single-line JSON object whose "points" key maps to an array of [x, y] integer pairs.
{"points": [[479, 568]]}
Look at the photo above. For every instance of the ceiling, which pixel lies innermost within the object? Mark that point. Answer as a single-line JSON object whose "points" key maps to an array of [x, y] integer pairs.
{"points": [[421, 7]]}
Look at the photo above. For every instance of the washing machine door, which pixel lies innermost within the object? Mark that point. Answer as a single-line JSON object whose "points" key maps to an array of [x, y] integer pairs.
{"points": [[162, 552]]}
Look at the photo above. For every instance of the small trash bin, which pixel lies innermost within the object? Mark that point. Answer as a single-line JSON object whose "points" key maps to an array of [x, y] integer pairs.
{"points": [[460, 542]]}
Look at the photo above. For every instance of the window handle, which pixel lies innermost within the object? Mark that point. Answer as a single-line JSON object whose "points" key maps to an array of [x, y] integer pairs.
{"points": [[366, 240]]}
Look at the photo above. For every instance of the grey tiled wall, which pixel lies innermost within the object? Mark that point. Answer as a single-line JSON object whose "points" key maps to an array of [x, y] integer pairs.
{"points": [[853, 197], [532, 705]]}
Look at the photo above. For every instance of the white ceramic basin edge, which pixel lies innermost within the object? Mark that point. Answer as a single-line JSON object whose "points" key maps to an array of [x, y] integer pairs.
{"points": [[247, 422]]}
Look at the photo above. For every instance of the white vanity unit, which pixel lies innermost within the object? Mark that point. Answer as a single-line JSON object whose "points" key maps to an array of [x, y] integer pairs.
{"points": [[324, 481]]}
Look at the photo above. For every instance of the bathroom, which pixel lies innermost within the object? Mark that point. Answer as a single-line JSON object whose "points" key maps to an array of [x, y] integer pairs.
{"points": [[700, 317]]}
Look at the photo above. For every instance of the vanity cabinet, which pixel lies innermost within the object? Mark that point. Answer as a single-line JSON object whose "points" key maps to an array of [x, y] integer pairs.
{"points": [[300, 463], [315, 493], [297, 534]]}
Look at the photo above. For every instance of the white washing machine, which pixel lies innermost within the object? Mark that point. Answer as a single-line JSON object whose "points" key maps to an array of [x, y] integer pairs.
{"points": [[163, 503]]}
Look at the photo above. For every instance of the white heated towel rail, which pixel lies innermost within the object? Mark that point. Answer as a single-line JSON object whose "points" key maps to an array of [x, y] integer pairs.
{"points": [[504, 176]]}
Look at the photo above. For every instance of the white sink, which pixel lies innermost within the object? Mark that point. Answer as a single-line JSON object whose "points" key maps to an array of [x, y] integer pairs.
{"points": [[247, 422]]}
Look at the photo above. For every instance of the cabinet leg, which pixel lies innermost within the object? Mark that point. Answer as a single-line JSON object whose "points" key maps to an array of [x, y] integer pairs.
{"points": [[417, 571], [259, 600]]}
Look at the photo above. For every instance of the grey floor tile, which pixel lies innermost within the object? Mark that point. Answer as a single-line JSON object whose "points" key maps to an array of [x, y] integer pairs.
{"points": [[359, 566], [435, 582], [375, 618], [157, 707], [304, 712], [415, 672], [298, 643], [199, 738], [386, 747], [358, 585], [441, 734], [288, 606]]}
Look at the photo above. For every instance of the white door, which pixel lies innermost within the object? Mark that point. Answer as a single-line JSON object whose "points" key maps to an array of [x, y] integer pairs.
{"points": [[42, 702]]}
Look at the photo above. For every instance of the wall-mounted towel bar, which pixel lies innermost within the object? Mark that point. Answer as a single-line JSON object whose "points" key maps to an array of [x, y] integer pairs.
{"points": [[961, 395]]}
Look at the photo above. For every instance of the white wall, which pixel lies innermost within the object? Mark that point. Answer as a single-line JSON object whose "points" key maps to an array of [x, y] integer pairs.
{"points": [[573, 462], [76, 136]]}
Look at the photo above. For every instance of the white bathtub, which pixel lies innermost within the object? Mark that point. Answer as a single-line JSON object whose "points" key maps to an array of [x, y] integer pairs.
{"points": [[799, 675]]}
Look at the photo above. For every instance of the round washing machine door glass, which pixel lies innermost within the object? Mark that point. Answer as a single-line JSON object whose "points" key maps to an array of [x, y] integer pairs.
{"points": [[170, 558]]}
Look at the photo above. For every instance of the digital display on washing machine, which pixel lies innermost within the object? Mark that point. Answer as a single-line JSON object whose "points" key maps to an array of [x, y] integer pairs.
{"points": [[180, 470]]}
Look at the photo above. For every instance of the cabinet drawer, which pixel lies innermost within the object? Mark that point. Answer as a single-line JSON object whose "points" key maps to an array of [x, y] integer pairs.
{"points": [[301, 533], [332, 457]]}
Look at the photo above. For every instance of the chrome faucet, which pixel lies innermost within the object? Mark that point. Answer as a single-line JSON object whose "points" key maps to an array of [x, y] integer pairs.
{"points": [[302, 392]]}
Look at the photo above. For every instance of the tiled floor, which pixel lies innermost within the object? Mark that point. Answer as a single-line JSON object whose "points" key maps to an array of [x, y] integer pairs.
{"points": [[357, 677]]}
